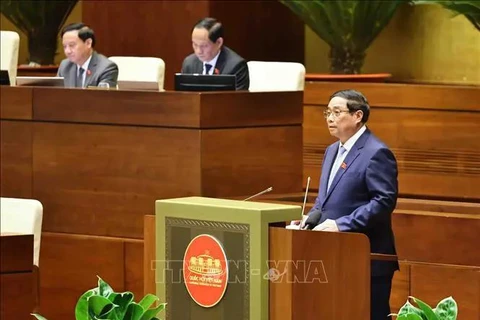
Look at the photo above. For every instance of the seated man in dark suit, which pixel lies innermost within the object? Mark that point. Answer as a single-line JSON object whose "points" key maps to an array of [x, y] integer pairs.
{"points": [[212, 57], [84, 66]]}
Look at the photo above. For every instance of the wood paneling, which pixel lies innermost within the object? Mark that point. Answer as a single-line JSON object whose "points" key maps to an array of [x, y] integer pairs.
{"points": [[163, 29], [432, 283], [15, 103], [434, 233], [102, 179], [134, 268], [170, 109], [280, 293], [16, 296], [17, 281], [17, 252], [117, 107], [70, 264], [409, 96], [16, 159], [251, 109], [438, 206], [234, 161], [400, 287], [432, 131], [338, 270], [16, 142]]}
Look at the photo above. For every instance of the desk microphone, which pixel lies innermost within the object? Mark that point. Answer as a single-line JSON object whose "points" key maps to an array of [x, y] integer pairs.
{"points": [[259, 194], [302, 223], [312, 220]]}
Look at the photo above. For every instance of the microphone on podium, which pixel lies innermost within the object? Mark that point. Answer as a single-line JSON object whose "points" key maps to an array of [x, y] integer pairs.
{"points": [[302, 224], [312, 220], [259, 194], [313, 217], [305, 197]]}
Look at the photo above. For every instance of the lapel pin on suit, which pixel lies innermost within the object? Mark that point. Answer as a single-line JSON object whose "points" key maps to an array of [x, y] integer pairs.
{"points": [[216, 71], [343, 166], [89, 72]]}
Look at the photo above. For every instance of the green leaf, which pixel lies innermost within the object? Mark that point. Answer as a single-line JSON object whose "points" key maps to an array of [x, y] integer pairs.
{"points": [[147, 301], [81, 308], [122, 300], [134, 312], [348, 27], [352, 25], [427, 310], [470, 9], [410, 316], [104, 288], [150, 314], [408, 308], [39, 317], [99, 307], [446, 309]]}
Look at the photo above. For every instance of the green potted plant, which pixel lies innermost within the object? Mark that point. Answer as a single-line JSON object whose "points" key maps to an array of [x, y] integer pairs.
{"points": [[348, 27], [41, 21], [470, 9], [445, 310], [102, 303]]}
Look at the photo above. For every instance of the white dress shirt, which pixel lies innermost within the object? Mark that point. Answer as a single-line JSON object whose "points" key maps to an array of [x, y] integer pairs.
{"points": [[212, 62], [85, 69], [347, 146]]}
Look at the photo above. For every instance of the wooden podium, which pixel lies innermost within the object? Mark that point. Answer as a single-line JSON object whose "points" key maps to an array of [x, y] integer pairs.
{"points": [[319, 275], [273, 273]]}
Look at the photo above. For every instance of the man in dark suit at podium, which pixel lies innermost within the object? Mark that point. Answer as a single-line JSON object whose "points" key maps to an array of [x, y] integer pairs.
{"points": [[211, 56], [83, 66], [358, 189]]}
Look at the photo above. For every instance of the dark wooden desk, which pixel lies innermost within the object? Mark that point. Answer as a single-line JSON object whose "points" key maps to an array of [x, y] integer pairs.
{"points": [[98, 160], [16, 276], [104, 157]]}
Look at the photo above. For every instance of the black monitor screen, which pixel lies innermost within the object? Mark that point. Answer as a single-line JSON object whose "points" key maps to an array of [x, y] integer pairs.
{"points": [[203, 82], [4, 78]]}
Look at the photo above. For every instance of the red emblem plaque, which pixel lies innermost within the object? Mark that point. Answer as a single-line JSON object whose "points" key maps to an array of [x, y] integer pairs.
{"points": [[205, 270]]}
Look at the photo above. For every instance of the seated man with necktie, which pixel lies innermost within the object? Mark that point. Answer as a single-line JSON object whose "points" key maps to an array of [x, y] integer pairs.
{"points": [[212, 57], [83, 66]]}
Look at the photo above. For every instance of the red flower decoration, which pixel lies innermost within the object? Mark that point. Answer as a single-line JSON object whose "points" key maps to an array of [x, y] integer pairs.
{"points": [[216, 71]]}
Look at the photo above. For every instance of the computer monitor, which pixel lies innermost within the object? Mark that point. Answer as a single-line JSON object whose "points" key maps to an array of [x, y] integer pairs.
{"points": [[40, 81], [204, 82], [4, 78]]}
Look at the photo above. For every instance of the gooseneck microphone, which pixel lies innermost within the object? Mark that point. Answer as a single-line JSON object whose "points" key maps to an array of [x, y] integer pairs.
{"points": [[259, 194], [313, 219], [305, 197]]}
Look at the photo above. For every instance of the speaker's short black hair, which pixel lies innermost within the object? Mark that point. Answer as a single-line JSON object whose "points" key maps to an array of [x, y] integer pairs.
{"points": [[355, 101], [213, 26], [84, 31]]}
